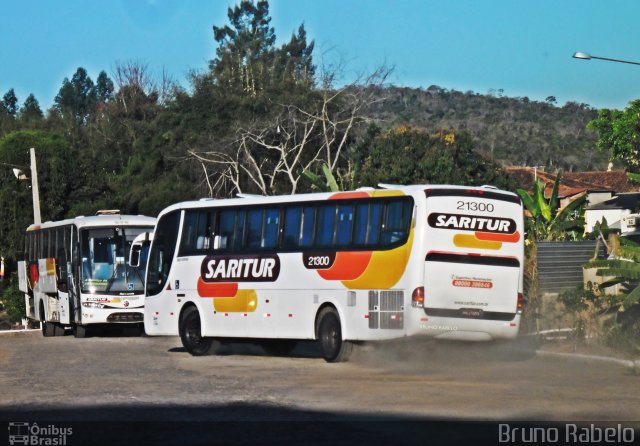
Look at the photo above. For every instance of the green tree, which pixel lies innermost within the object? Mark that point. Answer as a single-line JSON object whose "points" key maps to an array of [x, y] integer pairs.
{"points": [[104, 88], [55, 161], [548, 220], [13, 300], [77, 98], [249, 65], [619, 134], [245, 49], [9, 103], [8, 111], [30, 113], [412, 156]]}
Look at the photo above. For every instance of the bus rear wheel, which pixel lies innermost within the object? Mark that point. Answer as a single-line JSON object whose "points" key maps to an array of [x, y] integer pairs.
{"points": [[329, 335], [191, 334], [48, 328]]}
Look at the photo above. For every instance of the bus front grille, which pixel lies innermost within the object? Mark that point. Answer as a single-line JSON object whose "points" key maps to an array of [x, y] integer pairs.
{"points": [[125, 317]]}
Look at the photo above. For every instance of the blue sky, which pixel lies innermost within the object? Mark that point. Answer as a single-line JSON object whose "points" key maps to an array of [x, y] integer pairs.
{"points": [[523, 47]]}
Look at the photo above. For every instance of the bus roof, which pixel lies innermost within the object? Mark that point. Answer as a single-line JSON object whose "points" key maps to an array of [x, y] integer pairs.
{"points": [[249, 199], [98, 221]]}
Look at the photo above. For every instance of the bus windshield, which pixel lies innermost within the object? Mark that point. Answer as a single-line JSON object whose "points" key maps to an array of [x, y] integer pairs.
{"points": [[104, 253]]}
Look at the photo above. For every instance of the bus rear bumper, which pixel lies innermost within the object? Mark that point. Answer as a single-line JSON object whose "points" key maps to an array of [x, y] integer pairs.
{"points": [[460, 329]]}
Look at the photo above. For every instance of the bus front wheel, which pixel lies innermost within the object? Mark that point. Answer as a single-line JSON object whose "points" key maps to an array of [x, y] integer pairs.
{"points": [[329, 335], [191, 334]]}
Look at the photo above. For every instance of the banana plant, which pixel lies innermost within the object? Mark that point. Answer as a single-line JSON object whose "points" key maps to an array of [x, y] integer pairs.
{"points": [[548, 220], [328, 184]]}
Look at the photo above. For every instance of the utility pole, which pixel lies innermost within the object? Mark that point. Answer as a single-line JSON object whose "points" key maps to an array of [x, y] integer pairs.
{"points": [[34, 188]]}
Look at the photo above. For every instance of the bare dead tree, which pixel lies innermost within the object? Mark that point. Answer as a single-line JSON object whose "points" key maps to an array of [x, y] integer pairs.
{"points": [[271, 156]]}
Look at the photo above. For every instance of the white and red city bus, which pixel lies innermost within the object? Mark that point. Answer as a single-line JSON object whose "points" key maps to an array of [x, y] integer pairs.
{"points": [[343, 267], [75, 272]]}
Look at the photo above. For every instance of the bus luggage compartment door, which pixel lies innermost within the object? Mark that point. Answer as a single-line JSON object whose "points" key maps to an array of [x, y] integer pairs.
{"points": [[467, 286]]}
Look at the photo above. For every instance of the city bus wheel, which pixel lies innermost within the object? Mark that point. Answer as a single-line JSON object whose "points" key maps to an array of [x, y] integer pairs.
{"points": [[191, 334], [329, 335], [58, 330], [48, 328], [79, 331]]}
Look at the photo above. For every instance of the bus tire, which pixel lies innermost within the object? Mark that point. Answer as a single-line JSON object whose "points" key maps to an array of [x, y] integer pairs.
{"points": [[58, 330], [79, 331], [191, 334], [47, 327], [329, 335]]}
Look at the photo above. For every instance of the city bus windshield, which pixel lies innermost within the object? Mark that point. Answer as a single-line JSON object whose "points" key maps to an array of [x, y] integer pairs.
{"points": [[104, 253]]}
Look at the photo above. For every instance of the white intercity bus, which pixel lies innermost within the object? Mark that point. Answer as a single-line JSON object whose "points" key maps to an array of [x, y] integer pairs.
{"points": [[75, 272], [343, 267]]}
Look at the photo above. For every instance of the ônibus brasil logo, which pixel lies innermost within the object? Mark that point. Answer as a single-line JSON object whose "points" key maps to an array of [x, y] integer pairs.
{"points": [[32, 434]]}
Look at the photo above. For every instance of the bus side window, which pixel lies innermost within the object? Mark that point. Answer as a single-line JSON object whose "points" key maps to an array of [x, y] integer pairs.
{"points": [[226, 228], [271, 225], [361, 224], [254, 228], [375, 224], [196, 234], [397, 216], [308, 225], [325, 225], [291, 230], [344, 225]]}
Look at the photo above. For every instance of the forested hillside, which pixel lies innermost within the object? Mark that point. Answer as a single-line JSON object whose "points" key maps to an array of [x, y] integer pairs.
{"points": [[253, 121], [513, 131]]}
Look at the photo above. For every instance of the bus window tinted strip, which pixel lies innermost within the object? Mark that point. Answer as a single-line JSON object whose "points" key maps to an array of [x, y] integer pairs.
{"points": [[471, 259], [387, 221], [479, 193]]}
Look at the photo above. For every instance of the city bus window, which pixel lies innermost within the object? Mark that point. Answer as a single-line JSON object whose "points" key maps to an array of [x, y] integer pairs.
{"points": [[226, 228], [375, 222], [189, 233], [398, 214], [196, 232], [271, 225], [325, 225], [45, 244], [254, 228], [344, 225], [291, 230], [308, 224], [361, 224]]}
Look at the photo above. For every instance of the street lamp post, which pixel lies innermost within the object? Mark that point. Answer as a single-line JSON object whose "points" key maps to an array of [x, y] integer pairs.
{"points": [[35, 192], [587, 56], [34, 188]]}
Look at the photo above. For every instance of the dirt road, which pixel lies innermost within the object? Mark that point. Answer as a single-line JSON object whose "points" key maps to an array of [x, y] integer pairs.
{"points": [[154, 380]]}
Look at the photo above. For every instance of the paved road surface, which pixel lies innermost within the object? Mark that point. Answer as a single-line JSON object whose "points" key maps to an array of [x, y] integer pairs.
{"points": [[449, 386]]}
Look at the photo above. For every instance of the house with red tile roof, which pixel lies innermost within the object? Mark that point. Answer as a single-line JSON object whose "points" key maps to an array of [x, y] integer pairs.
{"points": [[610, 194]]}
